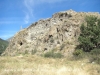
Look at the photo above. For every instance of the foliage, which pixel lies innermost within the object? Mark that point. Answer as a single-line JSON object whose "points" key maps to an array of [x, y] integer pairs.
{"points": [[95, 52], [95, 55], [90, 34], [78, 52], [3, 45], [89, 40], [53, 55]]}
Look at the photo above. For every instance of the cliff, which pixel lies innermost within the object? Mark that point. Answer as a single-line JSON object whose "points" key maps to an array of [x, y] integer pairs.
{"points": [[59, 33]]}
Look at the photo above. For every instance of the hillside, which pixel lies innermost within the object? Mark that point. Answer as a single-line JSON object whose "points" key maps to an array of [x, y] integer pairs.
{"points": [[3, 45], [58, 34]]}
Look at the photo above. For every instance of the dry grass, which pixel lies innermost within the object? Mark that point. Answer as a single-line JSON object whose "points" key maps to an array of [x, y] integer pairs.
{"points": [[35, 65]]}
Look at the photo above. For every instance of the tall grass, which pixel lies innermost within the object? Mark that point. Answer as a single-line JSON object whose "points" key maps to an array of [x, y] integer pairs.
{"points": [[35, 65]]}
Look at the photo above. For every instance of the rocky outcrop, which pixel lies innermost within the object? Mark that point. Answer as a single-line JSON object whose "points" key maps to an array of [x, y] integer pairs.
{"points": [[59, 33]]}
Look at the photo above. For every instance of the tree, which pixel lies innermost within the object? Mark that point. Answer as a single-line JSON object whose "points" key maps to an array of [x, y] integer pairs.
{"points": [[90, 34]]}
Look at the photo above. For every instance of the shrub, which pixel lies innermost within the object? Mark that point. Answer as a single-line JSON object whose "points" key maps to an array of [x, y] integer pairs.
{"points": [[51, 54], [78, 52], [95, 55], [95, 52], [58, 55], [48, 54]]}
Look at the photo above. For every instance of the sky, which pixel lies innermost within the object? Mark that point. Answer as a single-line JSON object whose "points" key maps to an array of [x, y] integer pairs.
{"points": [[15, 14]]}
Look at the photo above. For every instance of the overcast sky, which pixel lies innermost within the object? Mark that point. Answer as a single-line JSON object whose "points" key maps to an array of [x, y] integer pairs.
{"points": [[17, 13]]}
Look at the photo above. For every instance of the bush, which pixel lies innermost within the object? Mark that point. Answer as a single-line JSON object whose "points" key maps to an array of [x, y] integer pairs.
{"points": [[48, 54], [51, 54], [95, 52], [95, 56], [58, 55], [78, 52]]}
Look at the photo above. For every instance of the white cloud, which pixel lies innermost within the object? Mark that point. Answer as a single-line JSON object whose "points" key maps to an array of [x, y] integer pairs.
{"points": [[31, 4], [29, 12], [27, 17]]}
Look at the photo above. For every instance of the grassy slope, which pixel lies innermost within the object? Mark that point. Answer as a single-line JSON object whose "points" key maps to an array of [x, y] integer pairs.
{"points": [[3, 45], [33, 65]]}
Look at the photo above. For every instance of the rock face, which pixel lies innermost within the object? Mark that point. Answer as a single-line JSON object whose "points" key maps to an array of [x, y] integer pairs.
{"points": [[59, 33]]}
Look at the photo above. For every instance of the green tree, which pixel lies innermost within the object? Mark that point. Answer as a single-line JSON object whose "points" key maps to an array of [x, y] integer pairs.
{"points": [[90, 34]]}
